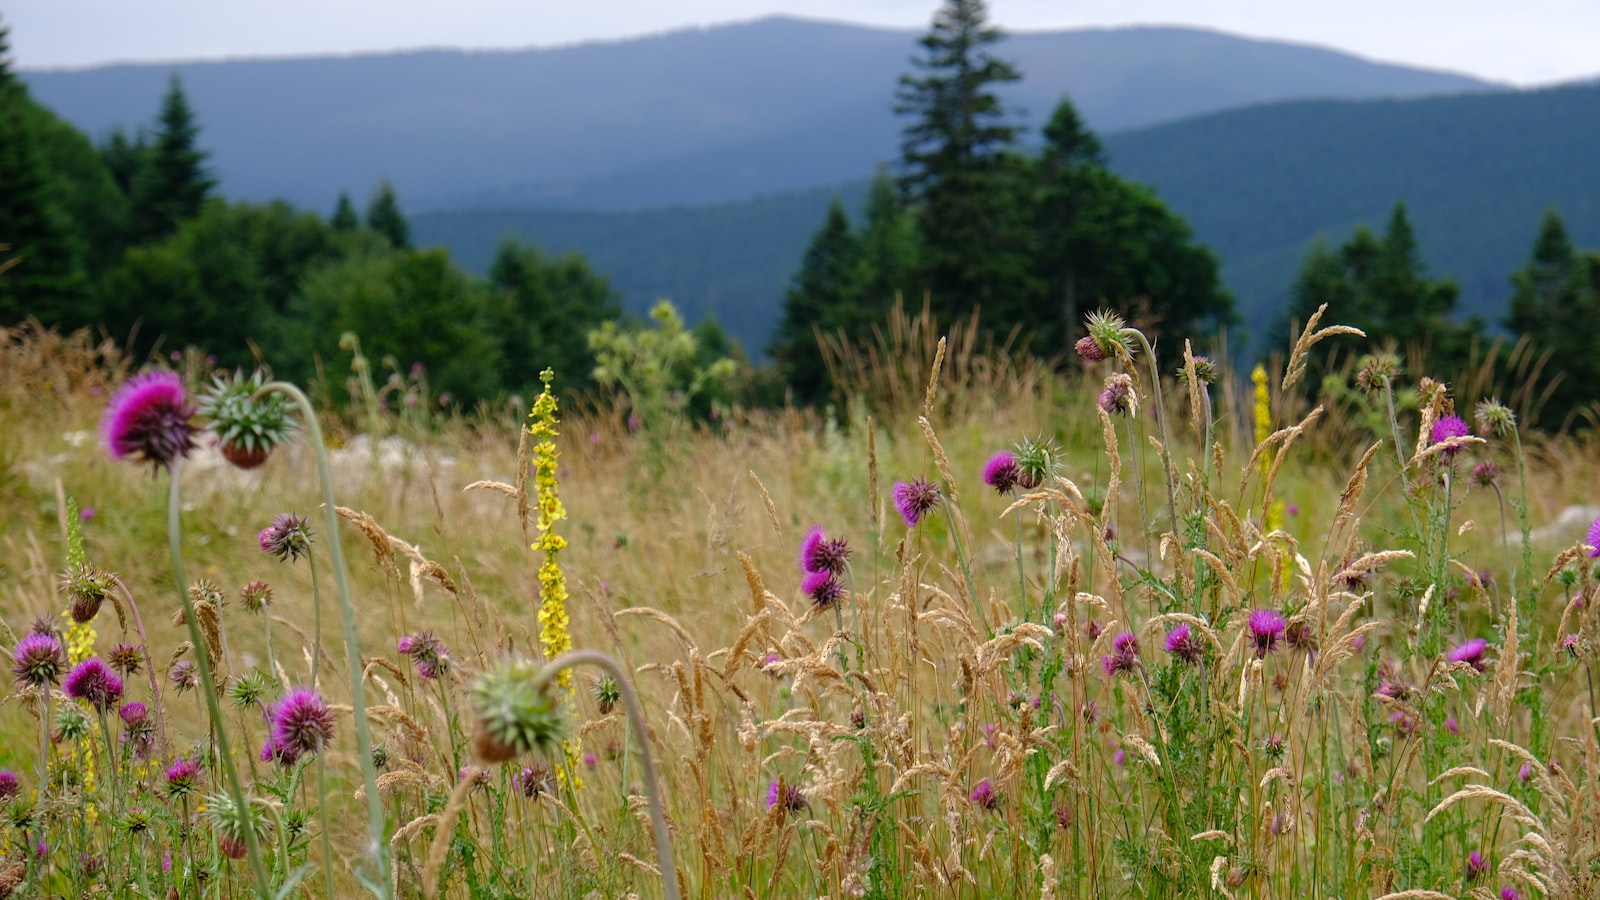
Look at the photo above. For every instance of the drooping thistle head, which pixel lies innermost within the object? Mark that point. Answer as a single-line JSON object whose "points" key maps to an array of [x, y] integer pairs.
{"points": [[255, 596], [820, 553], [1107, 338], [86, 587], [606, 694], [1037, 461], [824, 589], [125, 659], [248, 427], [184, 675], [1119, 397], [1002, 473], [1124, 656], [515, 712], [148, 420], [532, 781], [427, 653]]}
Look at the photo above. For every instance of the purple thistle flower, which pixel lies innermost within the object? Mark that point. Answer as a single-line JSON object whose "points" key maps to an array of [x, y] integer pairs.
{"points": [[1266, 629], [183, 777], [1118, 396], [1593, 539], [820, 553], [1452, 726], [824, 589], [1124, 656], [788, 798], [92, 682], [984, 796], [1485, 474], [287, 538], [272, 751], [1525, 774], [38, 659], [1181, 643], [1476, 866], [427, 653], [1089, 349], [915, 499], [133, 714], [1447, 428], [1470, 653], [148, 420], [1001, 472], [302, 723], [808, 550], [125, 659], [8, 784], [531, 781], [1509, 893]]}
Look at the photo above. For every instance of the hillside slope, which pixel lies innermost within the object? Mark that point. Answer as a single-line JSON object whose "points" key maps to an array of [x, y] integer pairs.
{"points": [[693, 116], [1258, 185]]}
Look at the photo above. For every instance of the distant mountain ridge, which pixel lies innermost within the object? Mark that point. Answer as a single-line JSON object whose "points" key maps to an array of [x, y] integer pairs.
{"points": [[688, 117], [1259, 185]]}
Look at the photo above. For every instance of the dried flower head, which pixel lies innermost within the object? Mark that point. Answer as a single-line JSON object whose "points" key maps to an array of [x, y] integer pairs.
{"points": [[1471, 653], [38, 659], [515, 711], [302, 724], [248, 427], [256, 596], [1485, 474], [125, 659], [94, 683], [287, 538], [184, 675], [1266, 629], [148, 420], [1001, 472], [1119, 398], [915, 499]]}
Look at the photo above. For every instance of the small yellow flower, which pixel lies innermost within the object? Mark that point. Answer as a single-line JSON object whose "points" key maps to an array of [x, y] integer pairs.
{"points": [[554, 636]]}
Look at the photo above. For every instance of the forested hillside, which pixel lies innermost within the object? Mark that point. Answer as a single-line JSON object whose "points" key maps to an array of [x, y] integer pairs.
{"points": [[694, 116], [1258, 185]]}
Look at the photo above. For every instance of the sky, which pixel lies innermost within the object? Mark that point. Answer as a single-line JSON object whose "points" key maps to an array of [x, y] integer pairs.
{"points": [[1521, 42]]}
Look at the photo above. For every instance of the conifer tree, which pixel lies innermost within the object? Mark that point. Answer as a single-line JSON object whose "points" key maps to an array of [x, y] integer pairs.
{"points": [[821, 301], [384, 216], [960, 172], [172, 183], [344, 214], [43, 276], [1555, 302]]}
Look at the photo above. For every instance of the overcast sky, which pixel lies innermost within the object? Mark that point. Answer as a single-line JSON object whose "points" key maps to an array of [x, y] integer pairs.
{"points": [[1523, 42]]}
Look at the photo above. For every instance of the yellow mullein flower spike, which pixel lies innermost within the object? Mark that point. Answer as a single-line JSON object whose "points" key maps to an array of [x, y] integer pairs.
{"points": [[554, 636]]}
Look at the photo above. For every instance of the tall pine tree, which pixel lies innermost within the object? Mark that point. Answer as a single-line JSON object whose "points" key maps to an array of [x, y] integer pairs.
{"points": [[822, 300], [344, 215], [961, 174], [172, 183], [384, 216], [1555, 302]]}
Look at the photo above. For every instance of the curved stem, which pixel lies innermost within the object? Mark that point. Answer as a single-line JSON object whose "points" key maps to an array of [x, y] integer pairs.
{"points": [[378, 847], [636, 722], [207, 687], [1161, 424]]}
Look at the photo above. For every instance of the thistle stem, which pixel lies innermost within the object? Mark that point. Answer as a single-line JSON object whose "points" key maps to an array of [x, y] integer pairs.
{"points": [[207, 686], [378, 847], [1161, 424], [636, 722]]}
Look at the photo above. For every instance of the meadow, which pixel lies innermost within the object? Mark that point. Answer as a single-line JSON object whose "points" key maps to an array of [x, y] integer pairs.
{"points": [[993, 628]]}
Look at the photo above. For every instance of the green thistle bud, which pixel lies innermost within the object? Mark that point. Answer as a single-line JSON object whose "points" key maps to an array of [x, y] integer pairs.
{"points": [[1495, 418], [248, 428], [248, 689], [606, 694], [516, 712], [230, 820], [1037, 461], [1107, 338]]}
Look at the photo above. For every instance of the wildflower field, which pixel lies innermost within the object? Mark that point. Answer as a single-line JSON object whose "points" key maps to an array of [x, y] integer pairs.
{"points": [[1145, 629]]}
